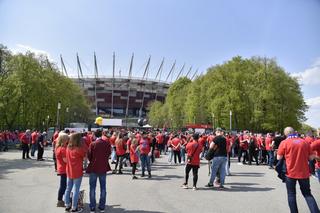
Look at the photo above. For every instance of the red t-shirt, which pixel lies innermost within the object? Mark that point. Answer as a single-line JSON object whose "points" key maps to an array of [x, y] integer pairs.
{"points": [[133, 155], [243, 145], [175, 144], [75, 162], [120, 150], [61, 153], [202, 141], [25, 139], [268, 143], [296, 152], [145, 146], [34, 137], [309, 139], [113, 140], [193, 150], [159, 138], [316, 147]]}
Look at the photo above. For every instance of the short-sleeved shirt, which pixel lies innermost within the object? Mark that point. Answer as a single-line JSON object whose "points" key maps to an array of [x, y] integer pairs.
{"points": [[316, 148], [193, 150], [75, 161], [221, 150], [296, 152]]}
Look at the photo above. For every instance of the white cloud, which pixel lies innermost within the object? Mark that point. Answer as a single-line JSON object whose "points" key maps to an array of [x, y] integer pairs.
{"points": [[310, 76], [313, 113], [21, 48]]}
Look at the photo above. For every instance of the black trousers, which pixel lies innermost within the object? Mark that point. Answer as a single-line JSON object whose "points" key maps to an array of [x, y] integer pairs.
{"points": [[195, 174], [177, 154], [134, 168], [40, 152], [253, 154], [119, 159], [63, 186], [25, 150], [244, 156]]}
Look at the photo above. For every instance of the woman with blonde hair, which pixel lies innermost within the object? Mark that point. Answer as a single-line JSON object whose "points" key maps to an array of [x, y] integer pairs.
{"points": [[60, 152], [76, 152]]}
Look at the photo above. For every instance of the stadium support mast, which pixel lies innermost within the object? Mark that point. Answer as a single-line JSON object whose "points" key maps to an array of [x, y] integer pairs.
{"points": [[80, 74], [159, 74], [95, 82], [181, 71], [144, 74], [171, 70], [113, 70], [194, 74], [128, 97], [189, 72], [63, 67]]}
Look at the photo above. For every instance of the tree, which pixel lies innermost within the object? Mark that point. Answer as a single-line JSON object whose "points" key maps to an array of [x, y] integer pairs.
{"points": [[260, 94], [30, 90]]}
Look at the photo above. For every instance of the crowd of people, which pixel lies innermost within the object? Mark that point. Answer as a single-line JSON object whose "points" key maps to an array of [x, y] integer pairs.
{"points": [[90, 152]]}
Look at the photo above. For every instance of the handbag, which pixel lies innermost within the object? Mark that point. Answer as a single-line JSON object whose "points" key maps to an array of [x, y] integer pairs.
{"points": [[189, 158]]}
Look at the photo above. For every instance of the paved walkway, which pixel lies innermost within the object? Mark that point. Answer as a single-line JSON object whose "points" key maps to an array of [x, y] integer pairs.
{"points": [[31, 186]]}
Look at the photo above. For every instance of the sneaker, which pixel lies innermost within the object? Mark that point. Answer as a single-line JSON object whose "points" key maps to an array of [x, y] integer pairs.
{"points": [[60, 203], [142, 175], [77, 210], [134, 177], [194, 188], [221, 187], [68, 209], [120, 173], [209, 185], [114, 172], [184, 186], [92, 210], [101, 210], [149, 176]]}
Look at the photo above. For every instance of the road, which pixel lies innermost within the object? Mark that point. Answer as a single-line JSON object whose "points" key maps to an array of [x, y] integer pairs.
{"points": [[31, 186]]}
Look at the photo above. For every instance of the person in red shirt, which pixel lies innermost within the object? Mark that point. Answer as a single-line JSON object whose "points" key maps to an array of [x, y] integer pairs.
{"points": [[160, 142], [98, 153], [134, 157], [193, 149], [316, 148], [120, 152], [76, 152], [25, 141], [54, 141], [34, 139], [113, 147], [145, 154], [243, 147], [296, 153], [269, 148], [60, 152], [176, 143]]}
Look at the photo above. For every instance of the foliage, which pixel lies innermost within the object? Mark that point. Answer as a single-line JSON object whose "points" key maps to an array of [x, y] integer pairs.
{"points": [[30, 90], [260, 94]]}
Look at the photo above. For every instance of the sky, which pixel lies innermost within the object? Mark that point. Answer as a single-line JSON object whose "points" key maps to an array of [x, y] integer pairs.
{"points": [[197, 33]]}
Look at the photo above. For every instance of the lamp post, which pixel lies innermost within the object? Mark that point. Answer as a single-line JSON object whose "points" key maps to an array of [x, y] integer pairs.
{"points": [[58, 114], [230, 120], [48, 119], [67, 116], [213, 121]]}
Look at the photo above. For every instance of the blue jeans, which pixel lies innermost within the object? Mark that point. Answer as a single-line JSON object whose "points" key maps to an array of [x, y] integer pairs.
{"points": [[113, 154], [183, 155], [218, 163], [76, 183], [306, 192], [271, 158], [34, 147], [145, 162], [103, 192], [318, 173]]}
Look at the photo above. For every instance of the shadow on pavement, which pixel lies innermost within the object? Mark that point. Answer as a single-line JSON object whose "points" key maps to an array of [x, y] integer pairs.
{"points": [[160, 178], [117, 209], [248, 174], [8, 166]]}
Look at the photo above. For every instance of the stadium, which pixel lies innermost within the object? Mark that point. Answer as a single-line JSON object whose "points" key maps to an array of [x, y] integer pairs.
{"points": [[125, 97]]}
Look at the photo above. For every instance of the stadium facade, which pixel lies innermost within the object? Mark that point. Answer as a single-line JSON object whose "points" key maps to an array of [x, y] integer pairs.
{"points": [[125, 97]]}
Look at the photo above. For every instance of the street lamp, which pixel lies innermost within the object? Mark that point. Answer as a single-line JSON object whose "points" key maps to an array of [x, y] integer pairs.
{"points": [[212, 120], [58, 113], [230, 120], [67, 116]]}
